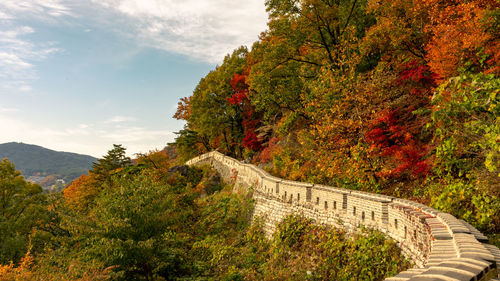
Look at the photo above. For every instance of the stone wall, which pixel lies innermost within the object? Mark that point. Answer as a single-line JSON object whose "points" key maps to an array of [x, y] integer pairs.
{"points": [[441, 246]]}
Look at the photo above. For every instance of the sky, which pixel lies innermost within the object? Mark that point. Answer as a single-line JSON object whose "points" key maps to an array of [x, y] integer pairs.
{"points": [[82, 75]]}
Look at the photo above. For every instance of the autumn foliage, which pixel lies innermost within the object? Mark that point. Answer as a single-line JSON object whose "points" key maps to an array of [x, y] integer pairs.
{"points": [[394, 134], [249, 119], [347, 93], [398, 97], [82, 191], [462, 36]]}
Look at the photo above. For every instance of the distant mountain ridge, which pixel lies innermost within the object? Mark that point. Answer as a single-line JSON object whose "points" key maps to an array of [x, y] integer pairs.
{"points": [[34, 160]]}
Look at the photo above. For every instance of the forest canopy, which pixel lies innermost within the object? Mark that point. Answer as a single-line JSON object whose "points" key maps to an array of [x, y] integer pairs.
{"points": [[395, 97]]}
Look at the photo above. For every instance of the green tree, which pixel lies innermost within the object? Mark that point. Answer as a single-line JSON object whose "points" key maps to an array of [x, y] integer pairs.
{"points": [[466, 124], [115, 159], [23, 214], [190, 144], [305, 41], [211, 116], [127, 231]]}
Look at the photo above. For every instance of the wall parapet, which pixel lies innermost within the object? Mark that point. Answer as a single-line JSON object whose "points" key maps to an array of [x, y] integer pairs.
{"points": [[441, 246]]}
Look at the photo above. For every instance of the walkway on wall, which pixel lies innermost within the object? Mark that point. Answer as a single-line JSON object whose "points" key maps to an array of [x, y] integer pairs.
{"points": [[441, 246]]}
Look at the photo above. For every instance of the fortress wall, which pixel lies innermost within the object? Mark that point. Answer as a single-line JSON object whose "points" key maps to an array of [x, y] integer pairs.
{"points": [[441, 246]]}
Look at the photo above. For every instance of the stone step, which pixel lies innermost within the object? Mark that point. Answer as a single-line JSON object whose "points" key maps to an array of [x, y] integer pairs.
{"points": [[459, 269], [479, 236], [406, 275]]}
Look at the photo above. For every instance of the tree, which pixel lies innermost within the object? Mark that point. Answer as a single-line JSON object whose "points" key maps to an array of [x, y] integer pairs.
{"points": [[82, 191], [190, 144], [464, 37], [23, 214], [208, 111], [157, 159], [128, 226], [466, 122], [250, 119], [305, 40], [115, 159], [398, 35], [183, 109]]}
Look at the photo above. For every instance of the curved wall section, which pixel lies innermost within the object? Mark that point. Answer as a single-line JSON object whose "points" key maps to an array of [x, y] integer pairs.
{"points": [[441, 246]]}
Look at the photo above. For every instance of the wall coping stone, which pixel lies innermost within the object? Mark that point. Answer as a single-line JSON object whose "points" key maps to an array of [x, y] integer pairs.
{"points": [[297, 183], [331, 188]]}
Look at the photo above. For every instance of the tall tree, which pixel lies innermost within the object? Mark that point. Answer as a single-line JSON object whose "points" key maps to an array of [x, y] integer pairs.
{"points": [[115, 159], [81, 193], [304, 38], [208, 112]]}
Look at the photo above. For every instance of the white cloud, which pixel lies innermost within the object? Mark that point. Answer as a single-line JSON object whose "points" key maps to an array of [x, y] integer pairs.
{"points": [[42, 9], [135, 134], [17, 56], [14, 52], [24, 88], [17, 53], [8, 109], [5, 16], [89, 139], [120, 119], [201, 29]]}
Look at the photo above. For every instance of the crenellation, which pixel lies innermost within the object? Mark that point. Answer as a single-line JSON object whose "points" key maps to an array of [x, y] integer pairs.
{"points": [[334, 196], [441, 246]]}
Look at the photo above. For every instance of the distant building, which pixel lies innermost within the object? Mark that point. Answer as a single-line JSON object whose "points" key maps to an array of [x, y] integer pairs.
{"points": [[35, 179]]}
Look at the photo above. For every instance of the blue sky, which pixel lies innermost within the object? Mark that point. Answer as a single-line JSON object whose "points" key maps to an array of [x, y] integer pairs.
{"points": [[82, 75]]}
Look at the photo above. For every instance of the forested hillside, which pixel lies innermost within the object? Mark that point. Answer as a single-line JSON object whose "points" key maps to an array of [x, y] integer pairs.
{"points": [[158, 221], [34, 160], [397, 97]]}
